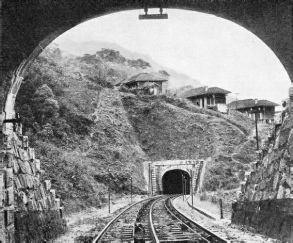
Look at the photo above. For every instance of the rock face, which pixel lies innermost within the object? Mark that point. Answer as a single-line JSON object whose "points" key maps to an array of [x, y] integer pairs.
{"points": [[266, 200]]}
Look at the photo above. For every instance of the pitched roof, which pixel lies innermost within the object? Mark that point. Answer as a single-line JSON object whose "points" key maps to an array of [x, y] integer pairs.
{"points": [[201, 91], [145, 77], [249, 103]]}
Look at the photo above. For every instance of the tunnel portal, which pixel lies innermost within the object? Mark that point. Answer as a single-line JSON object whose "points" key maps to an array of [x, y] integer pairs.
{"points": [[173, 182]]}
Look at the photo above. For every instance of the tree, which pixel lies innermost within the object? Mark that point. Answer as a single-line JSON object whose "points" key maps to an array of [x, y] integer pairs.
{"points": [[45, 105]]}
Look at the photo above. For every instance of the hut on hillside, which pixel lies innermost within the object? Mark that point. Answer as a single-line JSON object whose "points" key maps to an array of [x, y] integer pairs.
{"points": [[208, 97], [152, 82], [262, 110]]}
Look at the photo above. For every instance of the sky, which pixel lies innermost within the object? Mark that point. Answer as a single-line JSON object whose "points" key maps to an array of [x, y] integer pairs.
{"points": [[215, 51]]}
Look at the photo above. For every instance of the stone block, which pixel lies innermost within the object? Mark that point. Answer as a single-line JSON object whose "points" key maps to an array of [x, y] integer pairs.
{"points": [[32, 205], [8, 160], [33, 167], [26, 180], [8, 174], [276, 146], [2, 192], [47, 185], [17, 184], [25, 155], [276, 181], [31, 152], [262, 185], [16, 168], [10, 217], [9, 196], [38, 194], [2, 222], [38, 165], [53, 193], [281, 192], [285, 135], [25, 142], [283, 165], [42, 191], [24, 167], [23, 197], [2, 144], [57, 203]]}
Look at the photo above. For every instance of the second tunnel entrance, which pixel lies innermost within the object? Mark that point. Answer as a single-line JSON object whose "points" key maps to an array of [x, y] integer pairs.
{"points": [[174, 180]]}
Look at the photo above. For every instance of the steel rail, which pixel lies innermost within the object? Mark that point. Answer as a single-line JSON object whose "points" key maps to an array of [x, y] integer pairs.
{"points": [[150, 202], [106, 228], [220, 239], [152, 231], [170, 211]]}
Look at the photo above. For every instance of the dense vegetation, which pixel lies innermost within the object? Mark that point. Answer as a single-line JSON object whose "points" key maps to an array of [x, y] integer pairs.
{"points": [[81, 126]]}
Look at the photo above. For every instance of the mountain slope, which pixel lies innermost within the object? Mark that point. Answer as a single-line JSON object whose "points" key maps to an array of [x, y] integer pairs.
{"points": [[81, 126], [80, 48]]}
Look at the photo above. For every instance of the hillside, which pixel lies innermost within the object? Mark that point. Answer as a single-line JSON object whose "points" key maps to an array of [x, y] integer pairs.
{"points": [[81, 126], [90, 47]]}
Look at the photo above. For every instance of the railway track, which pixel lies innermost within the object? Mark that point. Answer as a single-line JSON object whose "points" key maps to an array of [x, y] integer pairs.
{"points": [[154, 220]]}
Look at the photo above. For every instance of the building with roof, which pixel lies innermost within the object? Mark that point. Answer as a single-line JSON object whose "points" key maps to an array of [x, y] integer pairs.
{"points": [[208, 97], [262, 110], [153, 82]]}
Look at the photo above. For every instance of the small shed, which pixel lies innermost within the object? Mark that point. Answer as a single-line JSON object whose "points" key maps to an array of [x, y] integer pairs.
{"points": [[153, 82]]}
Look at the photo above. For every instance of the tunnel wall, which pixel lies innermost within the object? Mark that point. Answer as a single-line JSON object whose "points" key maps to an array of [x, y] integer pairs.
{"points": [[266, 199]]}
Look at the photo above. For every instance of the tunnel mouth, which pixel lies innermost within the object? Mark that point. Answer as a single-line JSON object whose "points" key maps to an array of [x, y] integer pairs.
{"points": [[175, 181]]}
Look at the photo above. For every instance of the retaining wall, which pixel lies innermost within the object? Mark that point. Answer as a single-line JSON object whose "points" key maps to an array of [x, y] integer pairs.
{"points": [[266, 199], [29, 209]]}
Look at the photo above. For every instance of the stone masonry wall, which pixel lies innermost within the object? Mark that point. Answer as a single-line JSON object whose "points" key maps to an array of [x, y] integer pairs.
{"points": [[266, 199], [27, 204]]}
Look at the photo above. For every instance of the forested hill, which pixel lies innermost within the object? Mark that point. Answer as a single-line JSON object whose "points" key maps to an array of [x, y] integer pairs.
{"points": [[81, 126]]}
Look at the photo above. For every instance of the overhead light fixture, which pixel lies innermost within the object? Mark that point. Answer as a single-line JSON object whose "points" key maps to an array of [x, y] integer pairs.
{"points": [[153, 16]]}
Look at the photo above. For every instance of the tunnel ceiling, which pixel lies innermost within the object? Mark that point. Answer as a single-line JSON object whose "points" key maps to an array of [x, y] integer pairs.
{"points": [[30, 25]]}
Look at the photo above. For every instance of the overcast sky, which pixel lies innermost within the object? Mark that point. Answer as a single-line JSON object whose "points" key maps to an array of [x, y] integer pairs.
{"points": [[215, 51]]}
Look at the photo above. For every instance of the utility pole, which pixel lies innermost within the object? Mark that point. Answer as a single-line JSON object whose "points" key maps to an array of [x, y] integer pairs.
{"points": [[221, 208], [185, 191], [109, 197], [131, 189], [191, 187], [183, 187], [149, 179], [256, 133]]}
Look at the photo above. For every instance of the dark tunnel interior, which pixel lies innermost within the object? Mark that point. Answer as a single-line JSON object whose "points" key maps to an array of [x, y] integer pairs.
{"points": [[174, 181]]}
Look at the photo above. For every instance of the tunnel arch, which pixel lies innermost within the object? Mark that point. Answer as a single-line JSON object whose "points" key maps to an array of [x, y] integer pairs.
{"points": [[59, 28], [52, 18], [173, 182]]}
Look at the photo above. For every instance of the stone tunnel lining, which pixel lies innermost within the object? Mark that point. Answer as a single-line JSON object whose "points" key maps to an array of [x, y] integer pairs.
{"points": [[157, 170]]}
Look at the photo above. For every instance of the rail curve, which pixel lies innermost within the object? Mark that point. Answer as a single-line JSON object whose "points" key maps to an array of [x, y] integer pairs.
{"points": [[155, 220]]}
